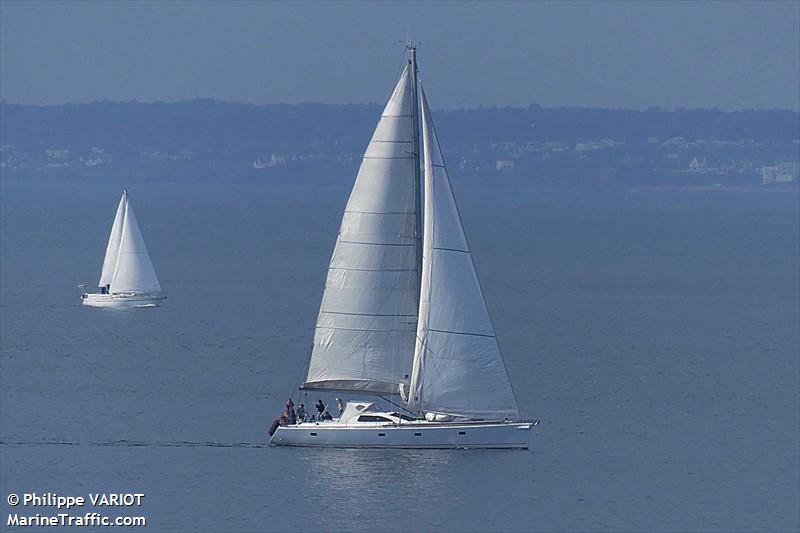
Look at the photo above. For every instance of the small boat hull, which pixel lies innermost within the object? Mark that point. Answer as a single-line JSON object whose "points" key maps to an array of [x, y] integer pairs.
{"points": [[122, 301], [419, 435]]}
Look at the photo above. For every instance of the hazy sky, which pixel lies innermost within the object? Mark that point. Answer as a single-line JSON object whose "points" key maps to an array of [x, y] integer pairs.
{"points": [[631, 54]]}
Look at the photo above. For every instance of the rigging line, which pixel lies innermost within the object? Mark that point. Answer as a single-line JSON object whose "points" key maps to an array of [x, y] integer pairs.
{"points": [[397, 405], [399, 70], [300, 380]]}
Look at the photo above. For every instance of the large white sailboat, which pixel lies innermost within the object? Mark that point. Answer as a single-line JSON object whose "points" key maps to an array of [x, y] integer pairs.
{"points": [[403, 312], [128, 278]]}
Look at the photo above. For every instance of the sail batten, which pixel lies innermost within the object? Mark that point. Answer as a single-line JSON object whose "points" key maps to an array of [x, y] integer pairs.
{"points": [[367, 319], [457, 368]]}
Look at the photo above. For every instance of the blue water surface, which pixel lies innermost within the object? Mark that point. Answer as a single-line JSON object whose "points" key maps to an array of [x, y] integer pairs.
{"points": [[654, 333]]}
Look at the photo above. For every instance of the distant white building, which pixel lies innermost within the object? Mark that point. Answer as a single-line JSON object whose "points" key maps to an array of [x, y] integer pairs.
{"points": [[697, 165], [54, 153], [277, 161], [274, 161], [782, 172], [96, 157], [596, 145]]}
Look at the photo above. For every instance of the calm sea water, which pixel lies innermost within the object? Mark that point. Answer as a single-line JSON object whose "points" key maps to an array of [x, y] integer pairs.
{"points": [[655, 334]]}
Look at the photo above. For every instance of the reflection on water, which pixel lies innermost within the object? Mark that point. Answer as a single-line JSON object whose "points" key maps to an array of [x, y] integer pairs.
{"points": [[368, 472]]}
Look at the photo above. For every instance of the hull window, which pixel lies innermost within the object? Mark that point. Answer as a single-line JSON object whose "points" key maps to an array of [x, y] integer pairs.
{"points": [[373, 418]]}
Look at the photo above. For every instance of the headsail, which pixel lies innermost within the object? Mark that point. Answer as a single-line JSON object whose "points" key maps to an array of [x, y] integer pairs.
{"points": [[112, 250], [368, 316], [458, 368], [134, 270]]}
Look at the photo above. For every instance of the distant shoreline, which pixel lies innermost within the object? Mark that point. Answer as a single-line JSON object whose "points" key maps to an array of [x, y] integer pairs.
{"points": [[722, 188]]}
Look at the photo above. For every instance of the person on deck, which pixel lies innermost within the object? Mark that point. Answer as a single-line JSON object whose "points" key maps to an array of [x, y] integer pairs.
{"points": [[291, 418], [340, 406], [326, 415], [320, 409], [301, 413]]}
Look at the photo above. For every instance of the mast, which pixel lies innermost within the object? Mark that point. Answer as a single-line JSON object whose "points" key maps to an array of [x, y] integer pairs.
{"points": [[412, 48]]}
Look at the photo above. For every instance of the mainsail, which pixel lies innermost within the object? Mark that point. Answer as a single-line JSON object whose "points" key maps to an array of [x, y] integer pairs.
{"points": [[112, 250], [368, 316], [458, 368], [133, 271]]}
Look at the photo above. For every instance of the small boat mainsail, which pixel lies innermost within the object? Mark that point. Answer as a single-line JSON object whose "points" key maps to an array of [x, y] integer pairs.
{"points": [[403, 312], [127, 278]]}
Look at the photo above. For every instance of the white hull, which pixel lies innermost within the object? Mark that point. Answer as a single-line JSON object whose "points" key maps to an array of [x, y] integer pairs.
{"points": [[416, 434], [120, 301]]}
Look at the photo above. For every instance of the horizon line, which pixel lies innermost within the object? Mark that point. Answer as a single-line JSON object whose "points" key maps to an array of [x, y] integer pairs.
{"points": [[479, 107]]}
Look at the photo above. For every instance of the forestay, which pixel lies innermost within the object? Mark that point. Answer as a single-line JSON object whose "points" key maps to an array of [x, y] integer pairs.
{"points": [[134, 271], [112, 250], [457, 368], [368, 316]]}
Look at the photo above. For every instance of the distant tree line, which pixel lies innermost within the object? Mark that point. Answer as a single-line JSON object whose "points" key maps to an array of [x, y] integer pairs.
{"points": [[205, 124]]}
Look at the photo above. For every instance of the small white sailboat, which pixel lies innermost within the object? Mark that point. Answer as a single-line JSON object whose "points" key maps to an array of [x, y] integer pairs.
{"points": [[403, 312], [128, 278]]}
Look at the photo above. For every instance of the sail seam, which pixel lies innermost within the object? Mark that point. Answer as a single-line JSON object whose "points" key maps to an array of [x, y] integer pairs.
{"points": [[377, 157], [396, 142], [374, 269], [396, 116], [451, 250], [377, 243], [364, 330], [461, 333], [382, 212], [361, 314]]}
